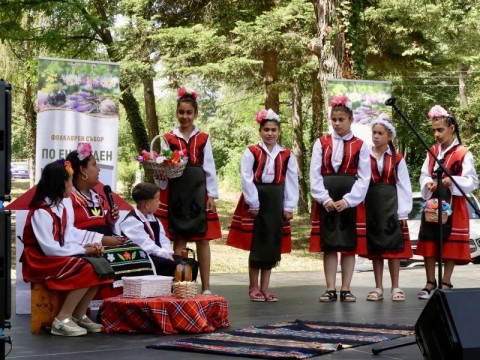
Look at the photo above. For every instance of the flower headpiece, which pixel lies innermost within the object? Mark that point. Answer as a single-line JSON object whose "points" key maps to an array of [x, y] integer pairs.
{"points": [[385, 123], [84, 150], [437, 112], [266, 115], [338, 100], [68, 168], [186, 91]]}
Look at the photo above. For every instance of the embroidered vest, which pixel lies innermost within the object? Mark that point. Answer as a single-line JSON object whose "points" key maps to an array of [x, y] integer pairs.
{"points": [[351, 155], [453, 159], [59, 225], [194, 148], [153, 230], [388, 175], [87, 217], [281, 164]]}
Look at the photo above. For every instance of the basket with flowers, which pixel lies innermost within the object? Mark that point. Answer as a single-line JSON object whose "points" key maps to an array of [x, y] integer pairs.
{"points": [[167, 163], [430, 209]]}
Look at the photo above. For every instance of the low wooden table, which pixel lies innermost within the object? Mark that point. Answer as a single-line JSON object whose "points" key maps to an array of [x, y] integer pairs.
{"points": [[164, 315]]}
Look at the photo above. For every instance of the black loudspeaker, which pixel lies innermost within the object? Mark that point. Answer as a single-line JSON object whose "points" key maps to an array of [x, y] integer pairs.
{"points": [[447, 328], [5, 140], [5, 266]]}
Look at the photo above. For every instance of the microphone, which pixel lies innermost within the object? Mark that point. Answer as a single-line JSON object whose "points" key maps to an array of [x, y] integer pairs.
{"points": [[108, 193], [390, 101]]}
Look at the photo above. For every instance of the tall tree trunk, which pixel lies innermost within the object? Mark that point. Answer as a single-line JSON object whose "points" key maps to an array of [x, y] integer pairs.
{"points": [[132, 108], [469, 118], [331, 51], [270, 74], [150, 110], [299, 147], [317, 109], [30, 114]]}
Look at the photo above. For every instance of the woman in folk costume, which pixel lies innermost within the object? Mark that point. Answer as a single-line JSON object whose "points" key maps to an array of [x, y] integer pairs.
{"points": [[60, 255], [261, 223], [92, 212], [388, 203], [339, 178], [187, 203], [458, 160]]}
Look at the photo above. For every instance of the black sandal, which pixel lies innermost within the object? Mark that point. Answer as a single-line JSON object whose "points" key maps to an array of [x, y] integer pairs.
{"points": [[329, 296], [347, 296], [449, 285], [426, 293]]}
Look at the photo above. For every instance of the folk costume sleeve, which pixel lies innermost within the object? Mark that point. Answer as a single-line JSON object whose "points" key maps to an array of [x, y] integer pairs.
{"points": [[425, 178], [364, 172], [291, 185], [73, 234], [134, 229], [249, 190], [468, 181], [404, 191], [317, 188], [210, 171], [43, 229]]}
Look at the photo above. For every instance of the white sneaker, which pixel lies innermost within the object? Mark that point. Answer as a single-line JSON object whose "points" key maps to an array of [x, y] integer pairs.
{"points": [[90, 326], [206, 292], [60, 327], [425, 294]]}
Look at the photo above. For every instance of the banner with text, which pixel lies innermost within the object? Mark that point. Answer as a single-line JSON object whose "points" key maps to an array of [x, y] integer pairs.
{"points": [[368, 102], [77, 102]]}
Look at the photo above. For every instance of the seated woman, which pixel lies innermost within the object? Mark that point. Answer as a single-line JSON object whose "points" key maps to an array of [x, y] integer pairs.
{"points": [[92, 212], [61, 256]]}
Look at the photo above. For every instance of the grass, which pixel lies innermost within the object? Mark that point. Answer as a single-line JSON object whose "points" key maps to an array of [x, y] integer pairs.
{"points": [[226, 259]]}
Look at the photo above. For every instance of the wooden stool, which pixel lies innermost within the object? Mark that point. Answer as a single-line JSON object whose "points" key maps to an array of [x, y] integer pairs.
{"points": [[45, 305]]}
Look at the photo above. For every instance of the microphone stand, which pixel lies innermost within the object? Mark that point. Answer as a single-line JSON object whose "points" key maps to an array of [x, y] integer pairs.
{"points": [[440, 170]]}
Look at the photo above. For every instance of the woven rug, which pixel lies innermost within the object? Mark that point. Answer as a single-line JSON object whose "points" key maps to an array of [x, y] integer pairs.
{"points": [[290, 340]]}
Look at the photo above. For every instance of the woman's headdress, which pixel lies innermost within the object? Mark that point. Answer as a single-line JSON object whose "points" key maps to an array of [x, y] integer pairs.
{"points": [[266, 115], [385, 123], [186, 91], [437, 112], [84, 150], [338, 100], [68, 168]]}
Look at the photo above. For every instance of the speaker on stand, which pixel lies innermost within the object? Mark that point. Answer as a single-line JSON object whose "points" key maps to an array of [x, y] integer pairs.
{"points": [[447, 328], [5, 223]]}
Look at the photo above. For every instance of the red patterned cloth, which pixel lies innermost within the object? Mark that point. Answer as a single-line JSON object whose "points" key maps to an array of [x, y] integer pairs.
{"points": [[164, 315]]}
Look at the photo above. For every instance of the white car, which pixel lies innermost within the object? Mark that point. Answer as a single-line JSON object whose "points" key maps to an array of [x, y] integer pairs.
{"points": [[414, 227]]}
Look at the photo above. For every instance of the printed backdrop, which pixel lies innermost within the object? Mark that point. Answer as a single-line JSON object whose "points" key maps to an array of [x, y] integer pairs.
{"points": [[77, 102]]}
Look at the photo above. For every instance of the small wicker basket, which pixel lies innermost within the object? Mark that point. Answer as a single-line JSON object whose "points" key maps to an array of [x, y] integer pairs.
{"points": [[168, 170], [432, 216], [147, 286], [185, 289]]}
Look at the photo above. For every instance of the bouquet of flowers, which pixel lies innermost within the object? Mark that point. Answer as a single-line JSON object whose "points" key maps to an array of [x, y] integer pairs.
{"points": [[430, 209], [167, 163]]}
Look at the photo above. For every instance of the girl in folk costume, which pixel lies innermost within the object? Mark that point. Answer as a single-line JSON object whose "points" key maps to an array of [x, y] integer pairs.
{"points": [[187, 205], [388, 203], [60, 255], [261, 222], [339, 178], [458, 160]]}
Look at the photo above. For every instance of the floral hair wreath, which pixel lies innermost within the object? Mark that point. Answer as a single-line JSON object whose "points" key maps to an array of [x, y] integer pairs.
{"points": [[68, 168], [266, 115], [186, 91], [386, 123], [84, 150], [338, 100], [437, 112]]}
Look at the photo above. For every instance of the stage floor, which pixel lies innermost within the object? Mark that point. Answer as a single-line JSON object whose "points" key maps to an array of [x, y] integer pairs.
{"points": [[298, 293]]}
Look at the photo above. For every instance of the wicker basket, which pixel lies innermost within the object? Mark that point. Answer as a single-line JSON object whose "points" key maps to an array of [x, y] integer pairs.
{"points": [[185, 289], [163, 170], [147, 286], [432, 216]]}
